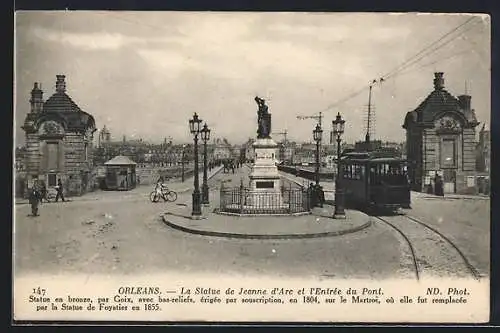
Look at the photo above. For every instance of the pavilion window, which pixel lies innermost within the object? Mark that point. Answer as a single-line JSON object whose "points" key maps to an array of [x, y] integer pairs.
{"points": [[51, 179], [52, 155], [448, 153]]}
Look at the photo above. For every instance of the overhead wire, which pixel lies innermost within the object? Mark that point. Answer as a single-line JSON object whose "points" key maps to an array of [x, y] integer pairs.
{"points": [[407, 63], [416, 60], [423, 51], [435, 62]]}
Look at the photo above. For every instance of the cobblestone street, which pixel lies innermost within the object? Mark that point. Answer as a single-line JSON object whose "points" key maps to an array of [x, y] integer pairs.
{"points": [[466, 221], [122, 233]]}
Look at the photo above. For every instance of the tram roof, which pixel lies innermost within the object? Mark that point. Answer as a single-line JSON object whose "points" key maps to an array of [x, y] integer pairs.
{"points": [[372, 156]]}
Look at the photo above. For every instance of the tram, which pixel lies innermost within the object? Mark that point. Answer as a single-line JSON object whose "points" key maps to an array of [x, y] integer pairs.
{"points": [[375, 180]]}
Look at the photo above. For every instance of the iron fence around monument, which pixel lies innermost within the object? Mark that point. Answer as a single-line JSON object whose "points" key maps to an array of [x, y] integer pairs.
{"points": [[242, 200]]}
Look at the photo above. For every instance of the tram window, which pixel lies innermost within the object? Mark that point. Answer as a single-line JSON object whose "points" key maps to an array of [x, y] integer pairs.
{"points": [[373, 174], [357, 172], [394, 173], [349, 171]]}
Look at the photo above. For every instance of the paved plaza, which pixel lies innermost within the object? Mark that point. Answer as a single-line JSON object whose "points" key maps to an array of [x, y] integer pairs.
{"points": [[124, 233]]}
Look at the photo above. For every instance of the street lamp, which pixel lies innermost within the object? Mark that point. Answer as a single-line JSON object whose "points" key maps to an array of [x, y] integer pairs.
{"points": [[338, 130], [205, 136], [194, 127], [182, 162], [317, 134]]}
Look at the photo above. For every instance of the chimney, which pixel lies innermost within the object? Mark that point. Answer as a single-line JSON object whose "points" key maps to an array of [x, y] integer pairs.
{"points": [[60, 84], [464, 102], [36, 100], [438, 81]]}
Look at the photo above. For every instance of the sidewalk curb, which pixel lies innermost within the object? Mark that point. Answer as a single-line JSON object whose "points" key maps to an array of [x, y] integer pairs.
{"points": [[454, 198], [261, 236], [261, 215]]}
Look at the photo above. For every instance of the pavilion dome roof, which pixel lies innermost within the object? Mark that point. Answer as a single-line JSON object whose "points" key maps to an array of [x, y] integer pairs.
{"points": [[120, 160]]}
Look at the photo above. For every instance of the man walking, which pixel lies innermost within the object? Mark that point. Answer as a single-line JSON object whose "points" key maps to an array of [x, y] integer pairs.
{"points": [[59, 189], [43, 192]]}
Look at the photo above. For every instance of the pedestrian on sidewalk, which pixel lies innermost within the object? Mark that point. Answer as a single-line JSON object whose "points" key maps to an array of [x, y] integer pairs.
{"points": [[43, 192], [312, 196], [321, 195], [34, 199], [59, 189], [438, 186]]}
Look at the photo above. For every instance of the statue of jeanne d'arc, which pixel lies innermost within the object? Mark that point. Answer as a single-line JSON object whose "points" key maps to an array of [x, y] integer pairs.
{"points": [[264, 119]]}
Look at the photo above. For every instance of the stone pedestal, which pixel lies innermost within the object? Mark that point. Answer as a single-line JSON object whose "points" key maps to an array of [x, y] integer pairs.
{"points": [[265, 185]]}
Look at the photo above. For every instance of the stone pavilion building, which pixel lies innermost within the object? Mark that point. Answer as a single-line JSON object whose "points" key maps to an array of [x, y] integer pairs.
{"points": [[59, 138], [441, 139]]}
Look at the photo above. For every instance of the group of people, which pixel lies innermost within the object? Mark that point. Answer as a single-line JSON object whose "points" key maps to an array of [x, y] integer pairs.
{"points": [[39, 192], [316, 195], [437, 188], [231, 165]]}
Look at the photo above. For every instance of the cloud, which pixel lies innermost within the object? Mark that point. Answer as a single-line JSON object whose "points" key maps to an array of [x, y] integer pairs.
{"points": [[97, 40], [171, 62], [90, 41]]}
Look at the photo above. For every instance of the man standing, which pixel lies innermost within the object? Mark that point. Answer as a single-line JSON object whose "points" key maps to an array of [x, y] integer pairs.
{"points": [[34, 199], [59, 189]]}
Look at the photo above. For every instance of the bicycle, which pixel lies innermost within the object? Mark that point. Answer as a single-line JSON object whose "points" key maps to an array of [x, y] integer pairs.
{"points": [[162, 192]]}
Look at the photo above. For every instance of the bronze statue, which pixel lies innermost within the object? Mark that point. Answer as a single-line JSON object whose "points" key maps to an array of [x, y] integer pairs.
{"points": [[263, 120]]}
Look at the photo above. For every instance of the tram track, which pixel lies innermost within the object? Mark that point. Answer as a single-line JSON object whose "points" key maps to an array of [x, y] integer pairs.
{"points": [[431, 252]]}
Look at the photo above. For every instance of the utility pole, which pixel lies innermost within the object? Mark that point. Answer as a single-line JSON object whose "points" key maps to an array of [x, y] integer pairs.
{"points": [[283, 147], [368, 120], [317, 117], [284, 133]]}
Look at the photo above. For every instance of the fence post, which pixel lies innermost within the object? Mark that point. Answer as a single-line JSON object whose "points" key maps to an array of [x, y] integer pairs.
{"points": [[290, 199], [222, 204], [242, 196]]}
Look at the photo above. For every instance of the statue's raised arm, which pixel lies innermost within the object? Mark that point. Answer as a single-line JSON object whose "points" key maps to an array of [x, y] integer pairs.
{"points": [[262, 104]]}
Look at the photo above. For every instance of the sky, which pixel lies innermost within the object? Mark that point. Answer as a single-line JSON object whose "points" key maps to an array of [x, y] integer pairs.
{"points": [[144, 74]]}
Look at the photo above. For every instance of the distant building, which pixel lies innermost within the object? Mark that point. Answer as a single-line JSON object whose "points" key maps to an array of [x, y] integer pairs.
{"points": [[304, 154], [249, 150], [440, 138], [103, 137], [222, 149], [59, 138], [20, 155], [368, 146], [20, 171], [483, 151], [286, 151]]}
